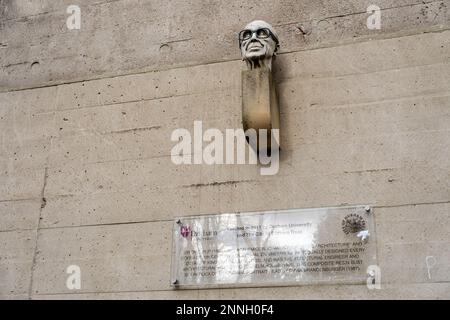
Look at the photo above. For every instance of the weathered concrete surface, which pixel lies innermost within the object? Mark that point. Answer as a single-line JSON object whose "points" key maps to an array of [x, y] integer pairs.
{"points": [[17, 251], [118, 37], [20, 215], [85, 170]]}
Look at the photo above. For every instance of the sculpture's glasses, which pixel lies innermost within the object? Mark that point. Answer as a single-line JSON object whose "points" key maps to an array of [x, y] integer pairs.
{"points": [[262, 33]]}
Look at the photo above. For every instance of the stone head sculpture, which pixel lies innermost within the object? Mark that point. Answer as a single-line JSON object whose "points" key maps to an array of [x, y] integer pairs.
{"points": [[259, 43]]}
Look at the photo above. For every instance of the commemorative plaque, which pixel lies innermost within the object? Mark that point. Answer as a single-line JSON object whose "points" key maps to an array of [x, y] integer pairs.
{"points": [[285, 247]]}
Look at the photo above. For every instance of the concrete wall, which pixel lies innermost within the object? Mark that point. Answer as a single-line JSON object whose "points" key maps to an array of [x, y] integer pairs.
{"points": [[85, 170]]}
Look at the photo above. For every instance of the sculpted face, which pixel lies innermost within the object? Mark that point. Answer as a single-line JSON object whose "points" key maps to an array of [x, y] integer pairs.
{"points": [[258, 43]]}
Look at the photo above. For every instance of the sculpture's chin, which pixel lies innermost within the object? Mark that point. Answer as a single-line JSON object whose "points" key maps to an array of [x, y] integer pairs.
{"points": [[254, 55], [257, 57]]}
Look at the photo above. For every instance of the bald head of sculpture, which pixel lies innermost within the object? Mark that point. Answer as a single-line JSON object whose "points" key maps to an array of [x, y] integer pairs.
{"points": [[259, 43]]}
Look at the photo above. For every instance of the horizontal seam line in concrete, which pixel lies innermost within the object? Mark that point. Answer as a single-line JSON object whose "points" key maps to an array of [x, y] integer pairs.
{"points": [[420, 3], [18, 230], [114, 161], [409, 243], [344, 75], [54, 12], [293, 149], [443, 94], [348, 75], [107, 76], [368, 38], [235, 88], [194, 93], [22, 199], [164, 155], [333, 174], [428, 93], [362, 138], [237, 286], [200, 214], [196, 289], [412, 204], [232, 89], [112, 76]]}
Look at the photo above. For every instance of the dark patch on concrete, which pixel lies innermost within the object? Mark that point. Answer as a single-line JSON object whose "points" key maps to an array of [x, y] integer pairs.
{"points": [[371, 170], [198, 185], [137, 129], [15, 64], [43, 202]]}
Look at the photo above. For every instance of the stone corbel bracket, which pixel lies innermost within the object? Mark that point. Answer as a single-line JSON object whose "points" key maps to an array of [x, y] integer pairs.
{"points": [[260, 107]]}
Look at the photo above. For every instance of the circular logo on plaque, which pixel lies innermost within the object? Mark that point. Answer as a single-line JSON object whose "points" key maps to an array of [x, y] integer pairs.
{"points": [[353, 223]]}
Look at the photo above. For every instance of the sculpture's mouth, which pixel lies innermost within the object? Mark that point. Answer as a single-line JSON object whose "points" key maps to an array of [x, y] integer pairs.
{"points": [[254, 46]]}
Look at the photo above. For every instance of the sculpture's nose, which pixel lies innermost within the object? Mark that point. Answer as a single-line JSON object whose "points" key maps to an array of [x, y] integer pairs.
{"points": [[253, 40]]}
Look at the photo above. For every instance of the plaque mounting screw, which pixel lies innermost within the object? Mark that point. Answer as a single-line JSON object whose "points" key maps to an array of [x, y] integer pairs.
{"points": [[368, 209], [178, 221], [175, 282]]}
